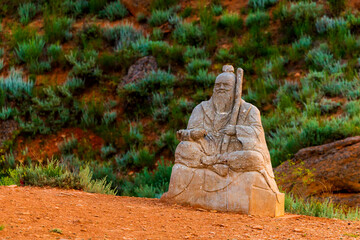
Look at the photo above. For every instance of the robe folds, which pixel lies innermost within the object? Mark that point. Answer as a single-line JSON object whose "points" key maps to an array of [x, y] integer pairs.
{"points": [[225, 186]]}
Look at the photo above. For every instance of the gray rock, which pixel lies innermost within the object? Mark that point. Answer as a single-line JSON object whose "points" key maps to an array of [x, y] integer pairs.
{"points": [[7, 128], [139, 70]]}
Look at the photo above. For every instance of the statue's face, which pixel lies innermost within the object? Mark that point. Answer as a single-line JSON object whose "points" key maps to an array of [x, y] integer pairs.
{"points": [[224, 83]]}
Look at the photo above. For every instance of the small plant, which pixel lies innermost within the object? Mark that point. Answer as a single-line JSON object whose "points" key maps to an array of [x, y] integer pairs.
{"points": [[2, 227], [326, 24], [56, 230], [94, 186], [195, 65], [58, 29], [109, 118], [188, 34], [162, 4], [75, 8], [159, 17], [68, 145], [114, 10], [157, 34], [74, 83], [31, 50], [302, 44], [122, 36], [258, 20], [15, 87], [261, 4], [2, 51], [203, 78], [84, 64], [232, 23], [7, 112], [216, 9], [168, 140], [1, 64], [107, 151], [27, 12], [134, 137], [54, 52]]}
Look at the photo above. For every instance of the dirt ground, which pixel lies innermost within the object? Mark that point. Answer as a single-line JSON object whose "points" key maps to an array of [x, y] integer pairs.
{"points": [[45, 213]]}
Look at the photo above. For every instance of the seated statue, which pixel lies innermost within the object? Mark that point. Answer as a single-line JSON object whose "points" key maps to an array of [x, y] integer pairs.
{"points": [[222, 161]]}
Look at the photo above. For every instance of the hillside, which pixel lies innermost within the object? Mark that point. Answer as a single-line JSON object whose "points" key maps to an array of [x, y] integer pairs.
{"points": [[65, 92], [38, 213]]}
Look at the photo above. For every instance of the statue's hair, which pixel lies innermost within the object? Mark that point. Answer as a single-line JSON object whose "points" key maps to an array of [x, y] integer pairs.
{"points": [[226, 74]]}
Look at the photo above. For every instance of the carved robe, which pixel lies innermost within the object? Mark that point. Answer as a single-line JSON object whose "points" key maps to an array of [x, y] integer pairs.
{"points": [[223, 186]]}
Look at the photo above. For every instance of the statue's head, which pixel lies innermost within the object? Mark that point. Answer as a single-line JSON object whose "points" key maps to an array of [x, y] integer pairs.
{"points": [[224, 89]]}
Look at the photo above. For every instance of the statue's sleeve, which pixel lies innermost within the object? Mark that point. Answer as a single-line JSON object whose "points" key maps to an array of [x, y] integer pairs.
{"points": [[249, 130], [197, 118]]}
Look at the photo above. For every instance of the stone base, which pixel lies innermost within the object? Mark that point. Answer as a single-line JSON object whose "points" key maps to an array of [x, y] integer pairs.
{"points": [[245, 192]]}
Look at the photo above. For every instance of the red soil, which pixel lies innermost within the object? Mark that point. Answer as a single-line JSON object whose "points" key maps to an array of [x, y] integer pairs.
{"points": [[31, 213], [44, 147]]}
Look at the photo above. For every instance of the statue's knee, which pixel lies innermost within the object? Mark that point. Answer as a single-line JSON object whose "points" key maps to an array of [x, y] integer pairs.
{"points": [[246, 160], [187, 149]]}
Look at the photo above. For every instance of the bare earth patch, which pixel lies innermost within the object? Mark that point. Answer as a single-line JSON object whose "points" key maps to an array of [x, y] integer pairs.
{"points": [[44, 213]]}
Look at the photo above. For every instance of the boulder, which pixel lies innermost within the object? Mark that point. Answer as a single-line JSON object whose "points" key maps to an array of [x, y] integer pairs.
{"points": [[137, 6], [328, 170], [139, 70], [7, 128]]}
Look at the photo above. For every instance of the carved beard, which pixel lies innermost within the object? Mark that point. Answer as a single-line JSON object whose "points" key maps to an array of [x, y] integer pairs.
{"points": [[223, 101]]}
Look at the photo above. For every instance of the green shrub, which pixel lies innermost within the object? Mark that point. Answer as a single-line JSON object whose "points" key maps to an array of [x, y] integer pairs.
{"points": [[299, 18], [168, 140], [68, 145], [15, 87], [122, 36], [7, 112], [84, 64], [192, 52], [74, 84], [149, 184], [257, 20], [107, 151], [114, 10], [352, 108], [95, 6], [137, 95], [197, 64], [157, 34], [232, 23], [188, 34], [134, 137], [50, 175], [315, 208], [20, 35], [321, 59], [137, 159], [343, 88], [187, 12], [159, 17], [261, 4], [27, 12], [216, 9], [94, 186], [326, 24], [75, 8], [2, 51], [58, 29], [31, 50], [1, 64], [203, 78]]}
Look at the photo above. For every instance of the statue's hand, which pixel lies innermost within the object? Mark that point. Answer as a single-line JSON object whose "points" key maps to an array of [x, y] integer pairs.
{"points": [[197, 133], [229, 130]]}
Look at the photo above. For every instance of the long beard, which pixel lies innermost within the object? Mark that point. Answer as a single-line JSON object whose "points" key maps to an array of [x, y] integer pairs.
{"points": [[223, 102]]}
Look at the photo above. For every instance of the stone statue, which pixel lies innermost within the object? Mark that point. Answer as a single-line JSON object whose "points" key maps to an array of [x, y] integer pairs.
{"points": [[222, 161]]}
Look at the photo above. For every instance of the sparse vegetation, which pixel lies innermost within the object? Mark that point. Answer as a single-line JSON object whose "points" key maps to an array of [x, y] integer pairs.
{"points": [[301, 60]]}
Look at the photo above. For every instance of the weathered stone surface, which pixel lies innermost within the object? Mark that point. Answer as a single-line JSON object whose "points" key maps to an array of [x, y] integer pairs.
{"points": [[324, 170], [6, 130], [137, 6], [139, 70], [222, 161]]}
